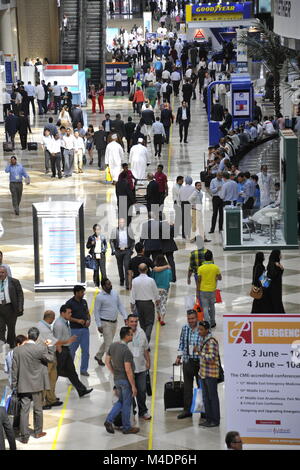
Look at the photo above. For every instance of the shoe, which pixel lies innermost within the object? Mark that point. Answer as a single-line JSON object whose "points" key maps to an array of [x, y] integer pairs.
{"points": [[57, 403], [186, 142], [155, 154], [100, 362], [221, 230], [162, 323], [146, 417], [109, 427], [209, 425], [86, 392], [122, 283], [47, 407], [211, 231], [206, 240], [40, 434], [85, 374], [17, 212], [214, 325], [180, 141], [24, 440], [60, 177], [131, 431], [184, 414]]}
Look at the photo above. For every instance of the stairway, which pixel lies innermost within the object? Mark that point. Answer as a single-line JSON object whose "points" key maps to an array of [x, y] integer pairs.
{"points": [[69, 51]]}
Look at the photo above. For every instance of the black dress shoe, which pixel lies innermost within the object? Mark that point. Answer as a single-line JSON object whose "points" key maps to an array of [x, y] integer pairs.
{"points": [[186, 142], [57, 403], [47, 407], [184, 414], [122, 283], [86, 392], [213, 326], [100, 362], [211, 231], [207, 241], [109, 427]]}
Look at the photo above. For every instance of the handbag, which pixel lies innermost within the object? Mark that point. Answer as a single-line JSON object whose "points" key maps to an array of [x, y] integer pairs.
{"points": [[148, 384], [14, 405], [256, 292], [218, 296], [197, 403], [90, 262], [265, 280]]}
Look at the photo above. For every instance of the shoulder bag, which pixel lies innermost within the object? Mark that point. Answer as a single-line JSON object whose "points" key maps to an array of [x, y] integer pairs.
{"points": [[221, 370]]}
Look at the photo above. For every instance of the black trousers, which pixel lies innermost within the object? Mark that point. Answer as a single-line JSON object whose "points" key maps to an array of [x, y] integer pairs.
{"points": [[157, 143], [190, 372], [186, 214], [211, 399], [217, 209], [57, 100], [8, 319], [123, 258], [6, 108], [184, 125], [213, 75], [7, 429], [167, 131], [118, 87], [56, 164], [31, 100], [176, 87], [66, 368], [23, 139], [101, 159], [247, 207], [101, 264], [146, 313], [153, 254]]}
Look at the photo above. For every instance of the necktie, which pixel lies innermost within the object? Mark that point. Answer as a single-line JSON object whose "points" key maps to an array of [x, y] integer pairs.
{"points": [[2, 291]]}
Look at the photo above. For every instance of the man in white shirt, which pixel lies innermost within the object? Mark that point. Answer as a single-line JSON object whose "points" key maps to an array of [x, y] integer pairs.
{"points": [[46, 142], [144, 293], [212, 67], [196, 199], [79, 149], [176, 77], [55, 151], [184, 193], [118, 83], [166, 75], [141, 357], [149, 77], [5, 265], [57, 96], [40, 95], [177, 205], [69, 147], [31, 95]]}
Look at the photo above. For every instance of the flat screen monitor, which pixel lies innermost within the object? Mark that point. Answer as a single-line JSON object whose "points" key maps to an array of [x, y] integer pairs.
{"points": [[241, 104]]}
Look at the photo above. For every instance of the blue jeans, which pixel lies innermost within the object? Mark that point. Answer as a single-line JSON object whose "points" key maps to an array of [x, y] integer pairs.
{"points": [[69, 162], [211, 399], [123, 404], [83, 340], [208, 300]]}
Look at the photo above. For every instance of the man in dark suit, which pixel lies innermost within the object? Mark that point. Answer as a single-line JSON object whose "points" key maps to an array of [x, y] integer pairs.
{"points": [[6, 427], [166, 117], [226, 126], [183, 118], [217, 112], [150, 237], [152, 194], [168, 244], [187, 92], [129, 131], [107, 125], [11, 127], [148, 118], [122, 247], [11, 306], [77, 116], [66, 98], [100, 144], [30, 378], [125, 197], [118, 126], [24, 127]]}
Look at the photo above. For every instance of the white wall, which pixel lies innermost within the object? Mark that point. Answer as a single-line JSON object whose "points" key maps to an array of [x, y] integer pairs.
{"points": [[287, 26]]}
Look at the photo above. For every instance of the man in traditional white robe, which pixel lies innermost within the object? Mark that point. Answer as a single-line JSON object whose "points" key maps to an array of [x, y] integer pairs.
{"points": [[114, 156], [138, 158], [266, 185]]}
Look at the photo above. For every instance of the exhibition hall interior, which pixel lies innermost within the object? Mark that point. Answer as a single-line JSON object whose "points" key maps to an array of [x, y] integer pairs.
{"points": [[149, 225]]}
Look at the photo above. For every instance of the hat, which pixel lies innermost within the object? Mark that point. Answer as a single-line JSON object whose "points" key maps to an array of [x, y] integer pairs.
{"points": [[114, 136], [188, 180], [140, 140]]}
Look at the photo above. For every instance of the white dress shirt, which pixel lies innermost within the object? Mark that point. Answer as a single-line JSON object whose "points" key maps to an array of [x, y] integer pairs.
{"points": [[4, 294], [166, 75], [79, 144], [175, 76], [143, 288], [69, 143], [123, 239], [138, 346], [46, 141], [185, 192], [54, 146], [40, 92], [56, 90], [30, 90], [118, 77]]}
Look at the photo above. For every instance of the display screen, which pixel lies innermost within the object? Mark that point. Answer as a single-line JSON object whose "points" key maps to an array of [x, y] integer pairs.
{"points": [[241, 104]]}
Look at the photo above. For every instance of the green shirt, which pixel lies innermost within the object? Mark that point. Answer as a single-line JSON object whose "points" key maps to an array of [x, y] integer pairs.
{"points": [[130, 72], [88, 73]]}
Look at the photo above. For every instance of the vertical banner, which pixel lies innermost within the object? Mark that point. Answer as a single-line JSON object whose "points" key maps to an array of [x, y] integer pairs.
{"points": [[59, 250], [241, 52], [147, 15], [262, 378]]}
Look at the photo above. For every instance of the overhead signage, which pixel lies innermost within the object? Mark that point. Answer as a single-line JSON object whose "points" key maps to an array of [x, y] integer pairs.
{"points": [[199, 34], [262, 377], [219, 11]]}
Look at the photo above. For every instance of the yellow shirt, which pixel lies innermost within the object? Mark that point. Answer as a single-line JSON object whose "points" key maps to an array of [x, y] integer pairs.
{"points": [[208, 272]]}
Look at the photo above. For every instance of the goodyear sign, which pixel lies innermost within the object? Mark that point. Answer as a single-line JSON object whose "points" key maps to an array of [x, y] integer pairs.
{"points": [[218, 11]]}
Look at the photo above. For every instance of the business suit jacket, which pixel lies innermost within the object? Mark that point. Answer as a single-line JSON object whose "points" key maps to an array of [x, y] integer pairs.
{"points": [[150, 235], [100, 140], [11, 124], [179, 115], [118, 127], [217, 112], [168, 244], [228, 121], [77, 116], [16, 296], [166, 117], [152, 195], [6, 427], [123, 189], [148, 116], [28, 368], [110, 125], [114, 241]]}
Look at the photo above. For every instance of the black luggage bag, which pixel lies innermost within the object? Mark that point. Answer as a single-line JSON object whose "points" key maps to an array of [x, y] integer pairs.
{"points": [[173, 394], [8, 147], [32, 146]]}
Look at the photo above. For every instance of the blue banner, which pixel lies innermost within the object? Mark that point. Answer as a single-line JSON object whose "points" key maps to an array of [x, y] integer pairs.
{"points": [[243, 9]]}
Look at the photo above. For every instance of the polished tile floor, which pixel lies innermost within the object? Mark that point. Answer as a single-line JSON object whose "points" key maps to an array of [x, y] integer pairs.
{"points": [[82, 424]]}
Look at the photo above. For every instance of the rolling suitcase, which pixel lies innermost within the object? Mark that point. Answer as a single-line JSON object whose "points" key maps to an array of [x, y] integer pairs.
{"points": [[8, 147], [173, 394], [32, 146]]}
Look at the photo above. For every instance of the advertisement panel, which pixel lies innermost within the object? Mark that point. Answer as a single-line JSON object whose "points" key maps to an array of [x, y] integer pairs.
{"points": [[147, 15], [262, 377], [219, 11], [241, 104], [59, 250]]}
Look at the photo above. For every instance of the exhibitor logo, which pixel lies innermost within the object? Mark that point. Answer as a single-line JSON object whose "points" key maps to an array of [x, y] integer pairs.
{"points": [[239, 332]]}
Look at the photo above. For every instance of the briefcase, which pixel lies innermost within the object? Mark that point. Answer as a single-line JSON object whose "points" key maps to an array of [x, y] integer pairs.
{"points": [[32, 146], [7, 147], [173, 394], [203, 175]]}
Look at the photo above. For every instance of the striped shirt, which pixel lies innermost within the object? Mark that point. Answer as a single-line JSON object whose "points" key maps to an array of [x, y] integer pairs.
{"points": [[189, 338], [209, 358]]}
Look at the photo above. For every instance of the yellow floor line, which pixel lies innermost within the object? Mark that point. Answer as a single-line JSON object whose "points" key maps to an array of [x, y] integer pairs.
{"points": [[157, 331], [66, 400]]}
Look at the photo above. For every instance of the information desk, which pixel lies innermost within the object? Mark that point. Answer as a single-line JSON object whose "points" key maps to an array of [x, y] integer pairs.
{"points": [[58, 233]]}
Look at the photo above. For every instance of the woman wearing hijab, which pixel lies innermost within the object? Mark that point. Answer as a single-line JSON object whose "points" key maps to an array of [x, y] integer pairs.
{"points": [[274, 291], [259, 305]]}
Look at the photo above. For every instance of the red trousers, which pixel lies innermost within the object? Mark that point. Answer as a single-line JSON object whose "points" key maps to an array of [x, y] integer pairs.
{"points": [[93, 104], [101, 103]]}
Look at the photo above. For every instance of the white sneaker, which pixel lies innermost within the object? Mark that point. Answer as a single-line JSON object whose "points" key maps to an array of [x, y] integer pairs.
{"points": [[146, 417]]}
